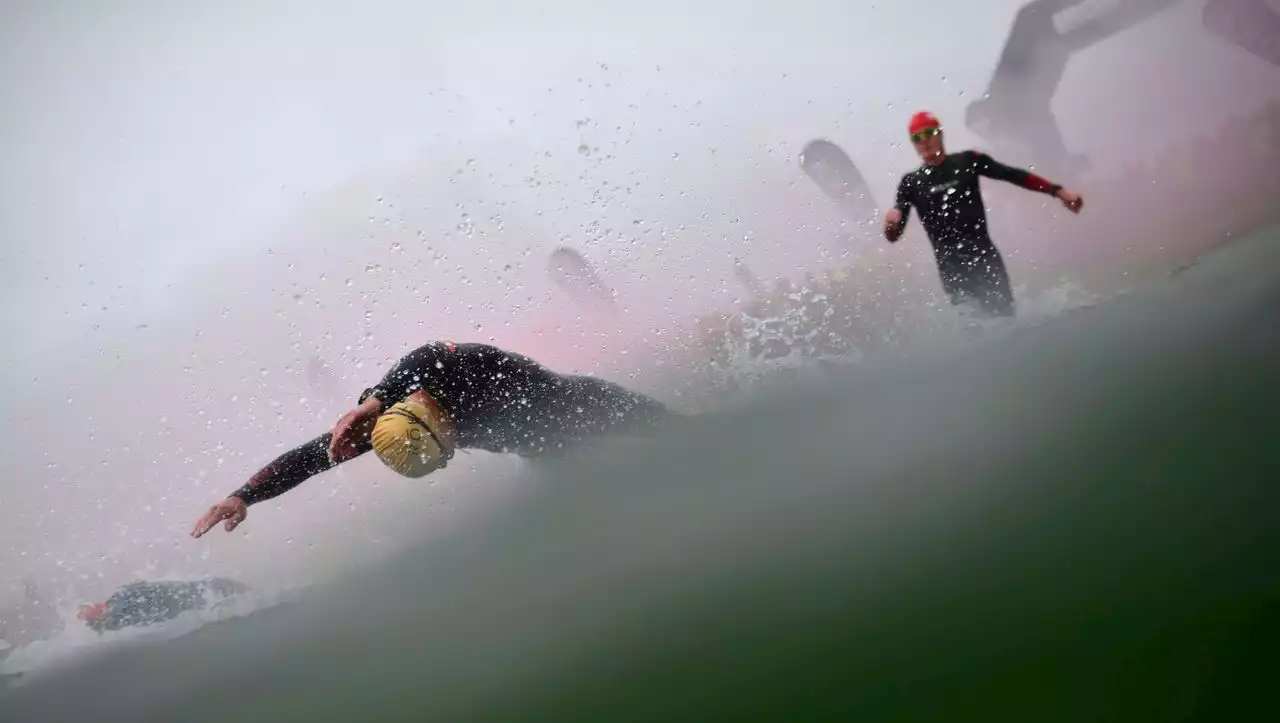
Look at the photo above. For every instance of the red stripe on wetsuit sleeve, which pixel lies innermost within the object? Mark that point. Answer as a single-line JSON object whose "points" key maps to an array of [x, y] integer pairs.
{"points": [[1036, 183]]}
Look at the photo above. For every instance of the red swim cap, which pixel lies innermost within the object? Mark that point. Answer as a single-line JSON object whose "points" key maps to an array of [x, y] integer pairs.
{"points": [[922, 120]]}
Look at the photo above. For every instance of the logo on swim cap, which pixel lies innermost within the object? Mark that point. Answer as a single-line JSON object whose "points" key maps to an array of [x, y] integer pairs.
{"points": [[414, 438]]}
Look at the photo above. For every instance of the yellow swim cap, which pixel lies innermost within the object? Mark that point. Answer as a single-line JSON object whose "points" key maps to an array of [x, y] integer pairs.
{"points": [[414, 437]]}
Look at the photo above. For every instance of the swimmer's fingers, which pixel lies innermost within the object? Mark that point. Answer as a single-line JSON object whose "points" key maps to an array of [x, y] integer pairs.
{"points": [[232, 509]]}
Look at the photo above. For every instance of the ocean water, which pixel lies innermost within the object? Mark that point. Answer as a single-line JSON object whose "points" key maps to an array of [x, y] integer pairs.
{"points": [[1073, 519]]}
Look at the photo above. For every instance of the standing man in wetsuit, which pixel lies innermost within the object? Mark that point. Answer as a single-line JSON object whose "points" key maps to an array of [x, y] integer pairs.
{"points": [[445, 396], [945, 190]]}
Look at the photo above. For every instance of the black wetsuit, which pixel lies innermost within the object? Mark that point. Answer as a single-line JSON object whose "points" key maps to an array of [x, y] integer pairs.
{"points": [[148, 603], [955, 218], [499, 401]]}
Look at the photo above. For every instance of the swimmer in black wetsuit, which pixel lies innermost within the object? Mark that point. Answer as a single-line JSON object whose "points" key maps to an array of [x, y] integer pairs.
{"points": [[148, 603], [445, 396], [945, 190]]}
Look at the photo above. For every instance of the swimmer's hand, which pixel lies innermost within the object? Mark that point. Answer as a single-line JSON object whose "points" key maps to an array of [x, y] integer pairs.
{"points": [[894, 223], [232, 509], [1070, 199], [352, 428]]}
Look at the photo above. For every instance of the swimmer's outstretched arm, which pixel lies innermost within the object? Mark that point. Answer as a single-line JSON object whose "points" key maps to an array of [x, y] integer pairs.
{"points": [[348, 440], [288, 471]]}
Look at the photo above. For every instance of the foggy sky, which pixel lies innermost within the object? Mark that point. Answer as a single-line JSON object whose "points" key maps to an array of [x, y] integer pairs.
{"points": [[189, 187]]}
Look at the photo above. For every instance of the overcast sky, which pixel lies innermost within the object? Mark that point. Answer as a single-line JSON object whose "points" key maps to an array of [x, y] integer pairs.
{"points": [[184, 180]]}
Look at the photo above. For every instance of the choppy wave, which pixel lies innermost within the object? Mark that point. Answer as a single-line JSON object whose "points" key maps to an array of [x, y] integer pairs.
{"points": [[805, 341], [1068, 517], [1074, 521]]}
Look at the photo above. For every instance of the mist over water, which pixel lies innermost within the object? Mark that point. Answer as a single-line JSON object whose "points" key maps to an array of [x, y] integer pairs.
{"points": [[204, 201], [1067, 522]]}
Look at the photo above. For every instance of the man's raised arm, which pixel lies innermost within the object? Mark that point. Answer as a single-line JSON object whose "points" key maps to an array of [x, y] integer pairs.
{"points": [[991, 168]]}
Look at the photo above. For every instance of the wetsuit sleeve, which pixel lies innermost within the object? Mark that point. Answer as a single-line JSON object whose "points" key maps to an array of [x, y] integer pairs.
{"points": [[903, 205], [407, 375], [991, 168], [903, 201], [292, 469]]}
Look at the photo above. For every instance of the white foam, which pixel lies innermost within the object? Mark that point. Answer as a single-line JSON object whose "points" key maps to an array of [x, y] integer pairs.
{"points": [[743, 370], [76, 642]]}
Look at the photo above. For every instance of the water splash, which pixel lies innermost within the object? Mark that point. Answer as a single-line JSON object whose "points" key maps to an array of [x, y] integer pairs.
{"points": [[76, 642]]}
